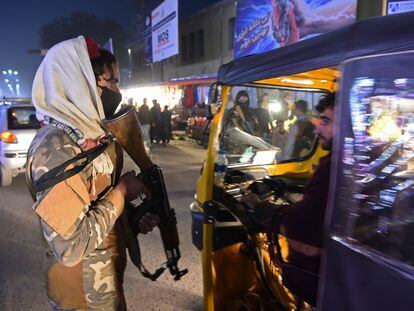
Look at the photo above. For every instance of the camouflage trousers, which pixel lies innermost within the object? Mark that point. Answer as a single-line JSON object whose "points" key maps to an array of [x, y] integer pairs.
{"points": [[55, 307]]}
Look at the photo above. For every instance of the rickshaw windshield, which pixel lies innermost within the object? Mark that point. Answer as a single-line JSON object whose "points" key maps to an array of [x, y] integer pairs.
{"points": [[265, 125]]}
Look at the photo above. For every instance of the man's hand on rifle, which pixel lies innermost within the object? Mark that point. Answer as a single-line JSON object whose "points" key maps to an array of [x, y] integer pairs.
{"points": [[131, 187], [148, 222]]}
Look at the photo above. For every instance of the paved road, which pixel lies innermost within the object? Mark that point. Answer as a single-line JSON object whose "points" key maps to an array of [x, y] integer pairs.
{"points": [[22, 284]]}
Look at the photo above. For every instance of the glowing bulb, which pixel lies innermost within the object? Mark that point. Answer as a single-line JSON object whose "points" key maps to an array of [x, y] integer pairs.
{"points": [[275, 107]]}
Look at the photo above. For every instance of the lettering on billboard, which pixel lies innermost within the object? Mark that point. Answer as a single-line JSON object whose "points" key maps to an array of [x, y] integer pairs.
{"points": [[263, 25], [394, 7], [165, 30]]}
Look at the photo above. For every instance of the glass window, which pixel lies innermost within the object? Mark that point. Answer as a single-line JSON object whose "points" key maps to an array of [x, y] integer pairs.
{"points": [[200, 43], [184, 48], [232, 23], [378, 167], [22, 118], [191, 46], [263, 125]]}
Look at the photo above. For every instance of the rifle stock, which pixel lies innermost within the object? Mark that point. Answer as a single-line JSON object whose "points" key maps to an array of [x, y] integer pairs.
{"points": [[125, 127]]}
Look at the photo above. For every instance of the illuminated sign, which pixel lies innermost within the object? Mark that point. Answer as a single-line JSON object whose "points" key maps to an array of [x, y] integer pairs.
{"points": [[263, 25], [394, 7], [164, 23]]}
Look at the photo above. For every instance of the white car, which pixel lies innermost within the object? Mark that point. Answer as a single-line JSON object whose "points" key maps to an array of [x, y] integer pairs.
{"points": [[18, 126]]}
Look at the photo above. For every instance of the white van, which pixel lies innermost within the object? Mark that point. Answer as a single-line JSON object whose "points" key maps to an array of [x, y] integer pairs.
{"points": [[18, 126]]}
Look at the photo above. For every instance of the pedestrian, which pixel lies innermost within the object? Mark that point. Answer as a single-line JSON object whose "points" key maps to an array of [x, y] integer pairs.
{"points": [[144, 116], [75, 87], [156, 126], [166, 125]]}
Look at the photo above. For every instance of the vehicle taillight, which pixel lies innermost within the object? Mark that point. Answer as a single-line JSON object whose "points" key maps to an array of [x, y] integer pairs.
{"points": [[8, 137]]}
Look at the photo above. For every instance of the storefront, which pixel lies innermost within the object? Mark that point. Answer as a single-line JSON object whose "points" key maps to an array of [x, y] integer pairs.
{"points": [[186, 97]]}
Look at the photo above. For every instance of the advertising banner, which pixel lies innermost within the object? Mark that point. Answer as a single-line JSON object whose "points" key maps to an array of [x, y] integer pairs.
{"points": [[263, 25], [400, 6], [164, 20]]}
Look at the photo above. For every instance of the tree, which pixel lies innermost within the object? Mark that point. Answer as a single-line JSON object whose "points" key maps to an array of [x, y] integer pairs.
{"points": [[88, 25]]}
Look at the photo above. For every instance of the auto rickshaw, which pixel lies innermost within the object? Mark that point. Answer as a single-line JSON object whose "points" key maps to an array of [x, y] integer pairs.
{"points": [[368, 258]]}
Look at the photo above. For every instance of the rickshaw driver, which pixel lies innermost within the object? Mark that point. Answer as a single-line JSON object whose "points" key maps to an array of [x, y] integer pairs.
{"points": [[302, 223]]}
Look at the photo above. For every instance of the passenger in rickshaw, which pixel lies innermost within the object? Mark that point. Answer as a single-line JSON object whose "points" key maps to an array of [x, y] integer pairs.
{"points": [[239, 124], [302, 223], [301, 134], [241, 115]]}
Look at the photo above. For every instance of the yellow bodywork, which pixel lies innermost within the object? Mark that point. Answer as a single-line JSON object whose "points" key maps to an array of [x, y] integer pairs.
{"points": [[222, 277]]}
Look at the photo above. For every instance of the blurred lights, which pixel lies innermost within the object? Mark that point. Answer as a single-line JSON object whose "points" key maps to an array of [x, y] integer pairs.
{"points": [[16, 73], [4, 72], [10, 71], [169, 96], [8, 137], [6, 80], [275, 107], [298, 81], [385, 128]]}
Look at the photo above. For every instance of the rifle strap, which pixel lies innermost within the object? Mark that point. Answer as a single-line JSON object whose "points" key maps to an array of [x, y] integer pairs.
{"points": [[59, 173], [135, 251]]}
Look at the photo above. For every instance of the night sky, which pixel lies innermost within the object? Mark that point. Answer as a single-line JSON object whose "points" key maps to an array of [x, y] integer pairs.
{"points": [[21, 21]]}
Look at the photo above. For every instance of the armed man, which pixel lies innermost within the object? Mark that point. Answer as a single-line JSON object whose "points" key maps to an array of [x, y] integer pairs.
{"points": [[73, 171]]}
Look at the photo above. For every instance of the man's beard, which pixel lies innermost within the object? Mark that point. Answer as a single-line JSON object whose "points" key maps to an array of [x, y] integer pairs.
{"points": [[326, 144]]}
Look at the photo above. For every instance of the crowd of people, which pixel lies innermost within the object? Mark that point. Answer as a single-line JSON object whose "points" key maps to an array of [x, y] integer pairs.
{"points": [[156, 124], [261, 129]]}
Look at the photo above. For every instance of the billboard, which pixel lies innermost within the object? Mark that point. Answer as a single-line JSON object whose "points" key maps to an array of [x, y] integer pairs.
{"points": [[400, 6], [263, 25], [164, 24]]}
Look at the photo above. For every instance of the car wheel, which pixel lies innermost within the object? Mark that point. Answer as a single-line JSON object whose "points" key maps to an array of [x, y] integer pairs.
{"points": [[5, 177]]}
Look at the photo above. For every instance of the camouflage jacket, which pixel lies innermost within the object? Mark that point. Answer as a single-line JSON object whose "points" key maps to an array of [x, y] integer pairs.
{"points": [[77, 226]]}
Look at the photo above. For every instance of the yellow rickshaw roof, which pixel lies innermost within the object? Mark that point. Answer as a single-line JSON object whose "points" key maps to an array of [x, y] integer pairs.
{"points": [[325, 79]]}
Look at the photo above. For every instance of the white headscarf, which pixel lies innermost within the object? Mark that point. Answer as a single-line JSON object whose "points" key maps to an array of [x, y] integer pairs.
{"points": [[64, 89]]}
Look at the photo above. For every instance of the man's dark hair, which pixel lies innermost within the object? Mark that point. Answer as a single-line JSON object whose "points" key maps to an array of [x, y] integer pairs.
{"points": [[103, 63], [301, 105], [261, 102], [242, 93], [326, 102]]}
